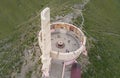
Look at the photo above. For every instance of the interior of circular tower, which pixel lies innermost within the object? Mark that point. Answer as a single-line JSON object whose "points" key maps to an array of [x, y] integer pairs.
{"points": [[65, 37]]}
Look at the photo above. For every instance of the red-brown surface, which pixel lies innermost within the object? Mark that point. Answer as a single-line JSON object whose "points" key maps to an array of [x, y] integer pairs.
{"points": [[76, 71]]}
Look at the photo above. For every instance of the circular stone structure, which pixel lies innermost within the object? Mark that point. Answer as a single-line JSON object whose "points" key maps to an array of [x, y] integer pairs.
{"points": [[67, 41]]}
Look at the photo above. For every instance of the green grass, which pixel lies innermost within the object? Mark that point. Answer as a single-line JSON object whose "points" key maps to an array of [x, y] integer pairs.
{"points": [[12, 48], [15, 12], [102, 23]]}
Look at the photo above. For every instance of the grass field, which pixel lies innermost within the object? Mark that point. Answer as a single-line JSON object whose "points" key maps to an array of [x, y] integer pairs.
{"points": [[13, 13], [19, 32], [102, 24], [102, 28]]}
